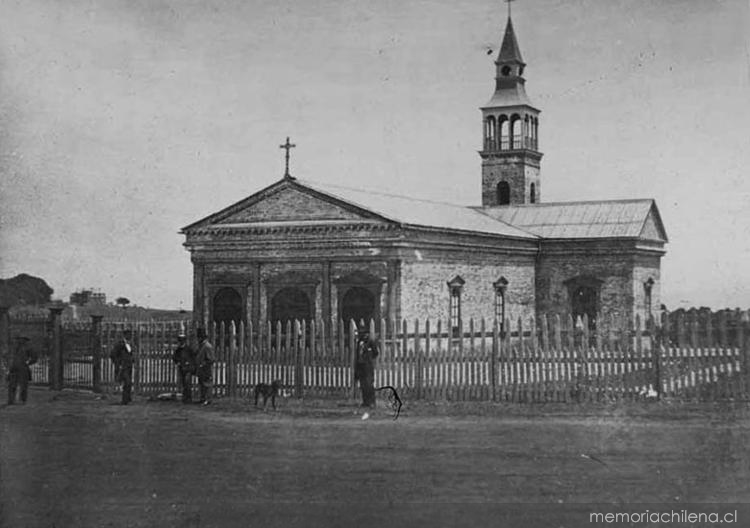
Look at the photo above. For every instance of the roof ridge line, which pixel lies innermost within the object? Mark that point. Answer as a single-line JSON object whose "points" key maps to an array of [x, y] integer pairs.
{"points": [[574, 202], [392, 195]]}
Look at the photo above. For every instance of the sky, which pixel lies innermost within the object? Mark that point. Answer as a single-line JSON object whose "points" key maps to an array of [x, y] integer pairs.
{"points": [[122, 121]]}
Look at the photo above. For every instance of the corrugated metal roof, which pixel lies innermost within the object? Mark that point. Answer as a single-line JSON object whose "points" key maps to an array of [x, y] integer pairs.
{"points": [[417, 212], [601, 219]]}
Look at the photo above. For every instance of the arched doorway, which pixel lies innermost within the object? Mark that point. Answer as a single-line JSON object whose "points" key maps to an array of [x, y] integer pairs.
{"points": [[584, 302], [358, 303], [227, 306], [290, 304], [503, 193]]}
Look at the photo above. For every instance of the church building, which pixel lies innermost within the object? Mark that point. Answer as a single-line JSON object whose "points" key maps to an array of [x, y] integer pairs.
{"points": [[304, 250]]}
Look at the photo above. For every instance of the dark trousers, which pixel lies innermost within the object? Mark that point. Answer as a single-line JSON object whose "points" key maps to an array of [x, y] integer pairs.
{"points": [[125, 378], [367, 384], [18, 378], [186, 381], [205, 387]]}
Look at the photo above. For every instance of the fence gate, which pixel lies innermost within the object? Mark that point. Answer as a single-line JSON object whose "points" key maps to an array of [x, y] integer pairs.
{"points": [[77, 358]]}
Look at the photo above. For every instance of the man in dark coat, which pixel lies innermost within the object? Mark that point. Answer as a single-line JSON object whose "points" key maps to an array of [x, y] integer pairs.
{"points": [[364, 372], [204, 360], [184, 357], [122, 358], [19, 373]]}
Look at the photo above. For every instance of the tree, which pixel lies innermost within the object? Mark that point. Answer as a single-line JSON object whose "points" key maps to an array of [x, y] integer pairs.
{"points": [[24, 289], [122, 301]]}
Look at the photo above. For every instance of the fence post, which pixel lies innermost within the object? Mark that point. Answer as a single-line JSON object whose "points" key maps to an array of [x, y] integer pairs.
{"points": [[352, 355], [231, 359], [656, 353], [96, 352], [495, 358], [4, 336], [300, 331], [56, 359]]}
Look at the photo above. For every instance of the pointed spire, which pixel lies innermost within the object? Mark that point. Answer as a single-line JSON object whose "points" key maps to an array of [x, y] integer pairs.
{"points": [[509, 50]]}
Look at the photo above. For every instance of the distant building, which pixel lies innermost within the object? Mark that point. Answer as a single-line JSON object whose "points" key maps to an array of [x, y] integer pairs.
{"points": [[303, 250], [90, 296]]}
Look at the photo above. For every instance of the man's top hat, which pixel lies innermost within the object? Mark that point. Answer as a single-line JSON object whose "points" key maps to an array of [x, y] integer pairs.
{"points": [[201, 333]]}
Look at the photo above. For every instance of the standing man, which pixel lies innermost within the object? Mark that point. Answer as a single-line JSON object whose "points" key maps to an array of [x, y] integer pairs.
{"points": [[122, 358], [19, 373], [364, 372], [184, 357], [204, 360]]}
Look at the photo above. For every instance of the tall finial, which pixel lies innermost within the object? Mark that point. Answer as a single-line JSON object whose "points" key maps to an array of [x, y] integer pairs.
{"points": [[287, 146], [509, 2]]}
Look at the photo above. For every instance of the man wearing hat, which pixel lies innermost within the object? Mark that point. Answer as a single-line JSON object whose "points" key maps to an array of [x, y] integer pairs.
{"points": [[122, 358], [184, 358], [19, 373], [204, 360], [364, 371]]}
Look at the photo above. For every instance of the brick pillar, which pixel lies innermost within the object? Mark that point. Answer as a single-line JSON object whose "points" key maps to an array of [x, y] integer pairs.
{"points": [[256, 296], [326, 292], [55, 353], [4, 339], [96, 352]]}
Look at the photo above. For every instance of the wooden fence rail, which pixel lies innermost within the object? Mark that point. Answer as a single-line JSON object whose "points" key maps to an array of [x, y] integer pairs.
{"points": [[552, 359]]}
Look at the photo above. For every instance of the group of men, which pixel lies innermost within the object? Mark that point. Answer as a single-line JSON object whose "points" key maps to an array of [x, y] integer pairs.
{"points": [[190, 362]]}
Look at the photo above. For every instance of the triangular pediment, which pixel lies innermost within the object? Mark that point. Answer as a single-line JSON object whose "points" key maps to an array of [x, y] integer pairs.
{"points": [[289, 205], [286, 201], [653, 229]]}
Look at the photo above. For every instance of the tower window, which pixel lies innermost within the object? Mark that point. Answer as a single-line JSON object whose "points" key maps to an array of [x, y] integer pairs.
{"points": [[516, 135], [532, 193], [489, 134], [503, 193], [504, 132], [505, 71]]}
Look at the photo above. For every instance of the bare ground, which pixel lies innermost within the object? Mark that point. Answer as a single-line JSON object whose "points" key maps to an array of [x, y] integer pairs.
{"points": [[76, 459]]}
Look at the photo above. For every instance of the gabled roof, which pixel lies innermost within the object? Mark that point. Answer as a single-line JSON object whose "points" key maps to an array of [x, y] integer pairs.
{"points": [[286, 202], [368, 204], [585, 220], [420, 213]]}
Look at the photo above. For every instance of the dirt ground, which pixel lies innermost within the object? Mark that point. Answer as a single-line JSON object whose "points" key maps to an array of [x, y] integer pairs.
{"points": [[72, 459]]}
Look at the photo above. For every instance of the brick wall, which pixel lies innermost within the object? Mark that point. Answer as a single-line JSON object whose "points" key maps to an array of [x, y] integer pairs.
{"points": [[518, 170], [615, 272], [645, 268], [622, 274], [425, 293]]}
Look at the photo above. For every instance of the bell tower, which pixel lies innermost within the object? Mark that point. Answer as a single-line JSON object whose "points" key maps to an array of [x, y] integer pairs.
{"points": [[510, 152]]}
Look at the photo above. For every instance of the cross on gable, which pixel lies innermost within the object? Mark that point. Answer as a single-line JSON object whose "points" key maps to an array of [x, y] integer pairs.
{"points": [[287, 146]]}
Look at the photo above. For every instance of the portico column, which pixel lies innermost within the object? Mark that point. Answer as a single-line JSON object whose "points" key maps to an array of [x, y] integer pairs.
{"points": [[326, 291]]}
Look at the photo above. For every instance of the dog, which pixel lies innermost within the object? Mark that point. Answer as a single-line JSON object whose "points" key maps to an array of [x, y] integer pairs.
{"points": [[268, 391]]}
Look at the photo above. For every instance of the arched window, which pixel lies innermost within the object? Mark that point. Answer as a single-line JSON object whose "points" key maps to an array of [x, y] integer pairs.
{"points": [[358, 304], [504, 132], [503, 193], [526, 132], [227, 306], [290, 304], [490, 134], [455, 285], [532, 193], [516, 133]]}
